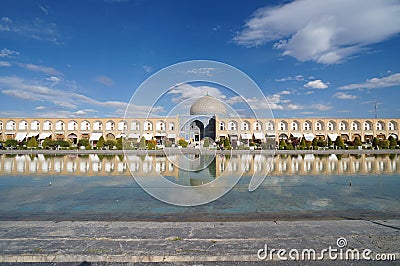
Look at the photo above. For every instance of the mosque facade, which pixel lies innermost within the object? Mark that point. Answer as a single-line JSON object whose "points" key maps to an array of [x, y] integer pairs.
{"points": [[207, 118]]}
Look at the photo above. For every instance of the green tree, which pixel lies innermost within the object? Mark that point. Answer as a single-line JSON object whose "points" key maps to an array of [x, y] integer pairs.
{"points": [[357, 142], [119, 144], [315, 143], [100, 143], [46, 143], [392, 142], [339, 142], [282, 144], [85, 143], [289, 146], [110, 143], [302, 145], [206, 143], [151, 144], [62, 143], [32, 143], [384, 144], [11, 142], [183, 143], [227, 144], [375, 142], [142, 143]]}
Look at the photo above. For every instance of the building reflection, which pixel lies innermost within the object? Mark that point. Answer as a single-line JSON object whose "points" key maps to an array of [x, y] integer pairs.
{"points": [[278, 165]]}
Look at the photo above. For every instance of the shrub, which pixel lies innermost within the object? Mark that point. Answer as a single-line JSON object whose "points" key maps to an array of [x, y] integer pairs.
{"points": [[302, 145], [227, 144], [119, 144], [32, 143], [142, 143], [151, 144], [206, 143], [183, 143], [282, 144], [85, 143], [100, 143], [392, 142], [357, 142], [339, 143], [11, 142]]}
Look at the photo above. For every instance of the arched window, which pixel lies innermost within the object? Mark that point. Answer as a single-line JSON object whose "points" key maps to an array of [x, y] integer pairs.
{"points": [[257, 126], [148, 126], [60, 125], [122, 126], [85, 125], [171, 126], [319, 125], [160, 125], [307, 125], [10, 125], [72, 125], [355, 125], [392, 125], [221, 126], [110, 125], [23, 125], [97, 125], [232, 125], [47, 125], [343, 125], [35, 125], [282, 126], [367, 125], [380, 125], [135, 125], [331, 125], [270, 126], [244, 126], [295, 125]]}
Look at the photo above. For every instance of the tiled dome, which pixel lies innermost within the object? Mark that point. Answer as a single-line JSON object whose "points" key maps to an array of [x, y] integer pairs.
{"points": [[207, 105]]}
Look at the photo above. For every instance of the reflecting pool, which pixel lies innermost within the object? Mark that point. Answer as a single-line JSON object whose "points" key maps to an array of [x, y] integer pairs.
{"points": [[101, 187]]}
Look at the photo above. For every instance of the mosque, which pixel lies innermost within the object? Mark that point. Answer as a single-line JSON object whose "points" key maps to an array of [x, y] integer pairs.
{"points": [[208, 117]]}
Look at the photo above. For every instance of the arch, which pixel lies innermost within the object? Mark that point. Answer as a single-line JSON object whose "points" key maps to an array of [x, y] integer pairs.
{"points": [[72, 125], [110, 125], [73, 138], [23, 125], [232, 126], [60, 125], [257, 126], [196, 130], [160, 125], [355, 136], [122, 125], [380, 125], [35, 125], [283, 136], [1, 125], [171, 126], [295, 125], [110, 136], [344, 137], [270, 126], [319, 125], [10, 125], [331, 125], [97, 125], [307, 126], [343, 125], [85, 125], [148, 125], [245, 126], [135, 125], [283, 125], [221, 125], [47, 125], [367, 125], [355, 125], [394, 136], [392, 125]]}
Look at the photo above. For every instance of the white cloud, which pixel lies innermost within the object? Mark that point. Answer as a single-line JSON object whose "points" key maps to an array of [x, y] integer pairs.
{"points": [[298, 78], [316, 84], [8, 53], [285, 92], [309, 92], [40, 107], [186, 91], [202, 71], [344, 96], [294, 107], [37, 29], [19, 88], [148, 69], [5, 64], [326, 31], [36, 68], [273, 102], [104, 80], [84, 112], [375, 83], [321, 107]]}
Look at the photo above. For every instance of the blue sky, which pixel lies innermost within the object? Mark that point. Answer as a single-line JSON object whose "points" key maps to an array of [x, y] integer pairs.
{"points": [[311, 58]]}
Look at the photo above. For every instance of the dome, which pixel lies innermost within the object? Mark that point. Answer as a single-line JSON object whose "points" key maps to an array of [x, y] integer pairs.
{"points": [[207, 105]]}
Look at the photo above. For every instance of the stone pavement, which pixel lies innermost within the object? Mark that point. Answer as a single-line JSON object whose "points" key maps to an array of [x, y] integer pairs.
{"points": [[190, 243]]}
